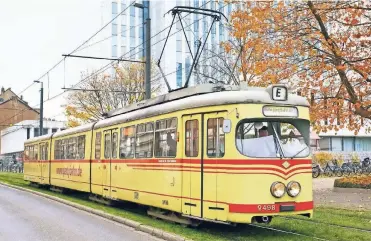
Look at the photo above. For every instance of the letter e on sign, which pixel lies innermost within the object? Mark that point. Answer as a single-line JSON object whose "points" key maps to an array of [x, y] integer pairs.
{"points": [[279, 93]]}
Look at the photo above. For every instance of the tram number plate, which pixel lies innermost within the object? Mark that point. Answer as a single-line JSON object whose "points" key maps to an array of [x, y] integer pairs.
{"points": [[268, 207], [287, 208]]}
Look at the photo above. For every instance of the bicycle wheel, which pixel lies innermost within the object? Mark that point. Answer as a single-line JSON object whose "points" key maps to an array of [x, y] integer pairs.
{"points": [[338, 172], [315, 172]]}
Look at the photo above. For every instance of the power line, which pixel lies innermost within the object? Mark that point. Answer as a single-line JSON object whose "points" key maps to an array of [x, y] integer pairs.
{"points": [[76, 49], [107, 66]]}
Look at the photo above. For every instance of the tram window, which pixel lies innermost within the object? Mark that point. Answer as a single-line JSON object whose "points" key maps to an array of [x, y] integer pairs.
{"points": [[31, 152], [72, 147], [26, 153], [57, 150], [42, 151], [80, 147], [165, 138], [36, 152], [272, 138], [63, 149], [46, 151], [144, 141], [98, 141], [191, 138], [114, 145], [215, 137], [107, 146], [127, 142]]}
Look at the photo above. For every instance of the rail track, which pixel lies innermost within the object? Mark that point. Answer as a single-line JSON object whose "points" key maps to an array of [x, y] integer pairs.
{"points": [[329, 224], [287, 232]]}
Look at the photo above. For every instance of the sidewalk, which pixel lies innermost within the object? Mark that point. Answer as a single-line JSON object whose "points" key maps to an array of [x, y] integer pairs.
{"points": [[324, 195]]}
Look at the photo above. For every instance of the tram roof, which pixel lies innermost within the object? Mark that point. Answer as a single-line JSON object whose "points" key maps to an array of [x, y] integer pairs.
{"points": [[39, 138], [198, 96], [248, 95]]}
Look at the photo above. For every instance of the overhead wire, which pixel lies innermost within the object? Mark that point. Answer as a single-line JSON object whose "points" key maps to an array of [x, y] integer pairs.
{"points": [[63, 60], [109, 64], [76, 49]]}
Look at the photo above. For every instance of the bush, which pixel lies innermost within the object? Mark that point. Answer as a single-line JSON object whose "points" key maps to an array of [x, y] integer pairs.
{"points": [[322, 157], [353, 182]]}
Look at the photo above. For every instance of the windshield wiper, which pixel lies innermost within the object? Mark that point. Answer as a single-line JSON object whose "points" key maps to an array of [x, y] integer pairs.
{"points": [[299, 152]]}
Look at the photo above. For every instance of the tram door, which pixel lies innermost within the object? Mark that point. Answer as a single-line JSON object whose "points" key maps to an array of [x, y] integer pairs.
{"points": [[192, 175], [214, 152], [45, 163], [110, 153]]}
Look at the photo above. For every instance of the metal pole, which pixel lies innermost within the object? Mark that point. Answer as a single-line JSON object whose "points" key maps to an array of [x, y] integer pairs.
{"points": [[148, 56], [41, 108]]}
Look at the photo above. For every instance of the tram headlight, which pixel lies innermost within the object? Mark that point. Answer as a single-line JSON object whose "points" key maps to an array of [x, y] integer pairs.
{"points": [[278, 189], [293, 188]]}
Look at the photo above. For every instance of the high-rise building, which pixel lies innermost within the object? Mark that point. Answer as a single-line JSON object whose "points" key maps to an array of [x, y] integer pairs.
{"points": [[128, 35]]}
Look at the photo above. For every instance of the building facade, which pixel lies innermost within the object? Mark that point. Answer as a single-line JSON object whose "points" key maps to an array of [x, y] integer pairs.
{"points": [[13, 138], [14, 109]]}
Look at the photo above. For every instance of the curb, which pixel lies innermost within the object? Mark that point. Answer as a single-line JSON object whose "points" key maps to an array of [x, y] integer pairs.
{"points": [[351, 190], [127, 222]]}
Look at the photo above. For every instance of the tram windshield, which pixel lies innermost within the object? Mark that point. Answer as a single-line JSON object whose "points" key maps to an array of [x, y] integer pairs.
{"points": [[273, 138]]}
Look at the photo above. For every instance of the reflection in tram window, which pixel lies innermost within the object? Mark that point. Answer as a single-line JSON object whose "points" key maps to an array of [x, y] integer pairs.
{"points": [[215, 137], [273, 139], [144, 141]]}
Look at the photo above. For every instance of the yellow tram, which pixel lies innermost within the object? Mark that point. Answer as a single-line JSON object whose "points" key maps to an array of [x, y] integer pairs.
{"points": [[215, 153]]}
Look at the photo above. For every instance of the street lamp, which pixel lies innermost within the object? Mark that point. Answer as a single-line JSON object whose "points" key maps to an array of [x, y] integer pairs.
{"points": [[41, 105], [148, 48]]}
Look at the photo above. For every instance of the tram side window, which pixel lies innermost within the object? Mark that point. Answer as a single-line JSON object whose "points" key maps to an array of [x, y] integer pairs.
{"points": [[42, 151], [30, 148], [46, 155], [57, 150], [63, 149], [71, 154], [27, 153], [144, 141], [36, 152], [191, 138], [107, 146], [127, 142], [165, 138], [80, 147], [98, 141], [114, 145], [215, 137]]}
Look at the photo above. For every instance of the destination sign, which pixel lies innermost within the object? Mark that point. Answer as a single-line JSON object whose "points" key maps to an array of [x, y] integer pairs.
{"points": [[280, 111]]}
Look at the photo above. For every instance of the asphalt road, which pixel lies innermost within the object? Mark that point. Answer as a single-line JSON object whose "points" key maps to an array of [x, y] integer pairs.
{"points": [[25, 216]]}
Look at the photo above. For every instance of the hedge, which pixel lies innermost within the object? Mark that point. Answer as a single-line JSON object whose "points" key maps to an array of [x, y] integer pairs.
{"points": [[353, 182]]}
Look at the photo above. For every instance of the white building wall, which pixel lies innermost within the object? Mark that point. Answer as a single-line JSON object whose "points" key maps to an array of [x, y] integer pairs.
{"points": [[13, 138]]}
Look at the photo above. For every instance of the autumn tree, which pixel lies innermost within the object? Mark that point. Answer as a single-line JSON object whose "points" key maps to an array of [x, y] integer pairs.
{"points": [[105, 92], [321, 49]]}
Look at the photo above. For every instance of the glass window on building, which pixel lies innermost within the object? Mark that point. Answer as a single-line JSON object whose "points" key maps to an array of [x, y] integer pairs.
{"points": [[132, 32], [36, 132], [132, 11], [363, 144], [123, 7], [114, 29], [114, 50], [187, 65], [179, 75], [45, 131], [123, 50], [324, 144], [179, 45], [123, 30], [336, 144], [114, 7], [348, 143], [141, 29], [196, 3], [54, 130]]}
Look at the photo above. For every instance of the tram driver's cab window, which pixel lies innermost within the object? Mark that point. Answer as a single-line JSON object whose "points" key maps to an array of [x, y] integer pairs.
{"points": [[273, 138]]}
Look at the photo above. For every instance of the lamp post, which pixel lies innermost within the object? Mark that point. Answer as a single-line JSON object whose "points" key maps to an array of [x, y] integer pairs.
{"points": [[148, 49], [41, 106]]}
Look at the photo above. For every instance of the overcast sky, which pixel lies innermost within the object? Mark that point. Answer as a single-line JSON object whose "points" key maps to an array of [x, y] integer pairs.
{"points": [[34, 35]]}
